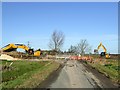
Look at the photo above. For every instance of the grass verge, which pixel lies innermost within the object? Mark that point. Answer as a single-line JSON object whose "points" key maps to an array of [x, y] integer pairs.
{"points": [[111, 69], [26, 74]]}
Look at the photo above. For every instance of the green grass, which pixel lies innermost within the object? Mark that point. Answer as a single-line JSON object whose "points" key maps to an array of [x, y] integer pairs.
{"points": [[23, 72], [20, 68], [110, 69]]}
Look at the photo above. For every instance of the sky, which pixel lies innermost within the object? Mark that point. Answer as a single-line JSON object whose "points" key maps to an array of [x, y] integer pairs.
{"points": [[60, 0], [35, 22]]}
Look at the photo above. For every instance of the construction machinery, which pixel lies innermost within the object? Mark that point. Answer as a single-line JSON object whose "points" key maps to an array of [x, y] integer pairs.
{"points": [[105, 51], [13, 47]]}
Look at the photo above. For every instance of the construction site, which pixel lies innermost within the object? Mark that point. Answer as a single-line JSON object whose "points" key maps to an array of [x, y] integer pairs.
{"points": [[11, 50], [52, 45], [103, 64]]}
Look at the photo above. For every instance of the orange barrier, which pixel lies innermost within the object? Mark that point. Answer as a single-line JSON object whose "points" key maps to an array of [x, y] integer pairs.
{"points": [[81, 58]]}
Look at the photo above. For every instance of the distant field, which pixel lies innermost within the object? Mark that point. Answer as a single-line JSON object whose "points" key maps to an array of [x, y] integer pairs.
{"points": [[25, 74]]}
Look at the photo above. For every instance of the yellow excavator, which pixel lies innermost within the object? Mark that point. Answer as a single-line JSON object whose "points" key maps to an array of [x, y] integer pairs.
{"points": [[13, 47], [105, 51]]}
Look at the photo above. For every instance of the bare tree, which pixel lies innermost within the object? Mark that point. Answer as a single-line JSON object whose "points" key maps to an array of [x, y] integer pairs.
{"points": [[72, 49], [83, 47], [57, 40]]}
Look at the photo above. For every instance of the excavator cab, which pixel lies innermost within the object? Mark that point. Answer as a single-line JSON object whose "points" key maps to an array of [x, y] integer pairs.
{"points": [[102, 54], [30, 51]]}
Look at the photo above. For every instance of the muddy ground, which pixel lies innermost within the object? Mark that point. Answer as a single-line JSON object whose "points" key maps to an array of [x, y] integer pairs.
{"points": [[75, 74]]}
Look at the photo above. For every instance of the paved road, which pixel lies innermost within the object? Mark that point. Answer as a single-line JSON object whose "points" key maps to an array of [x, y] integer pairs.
{"points": [[73, 75]]}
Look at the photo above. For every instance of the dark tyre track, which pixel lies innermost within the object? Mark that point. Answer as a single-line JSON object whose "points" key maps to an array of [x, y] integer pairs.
{"points": [[75, 74], [105, 81]]}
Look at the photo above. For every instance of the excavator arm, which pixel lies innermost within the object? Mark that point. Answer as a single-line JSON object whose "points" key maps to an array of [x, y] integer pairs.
{"points": [[9, 47], [102, 47], [13, 47], [22, 46], [105, 51]]}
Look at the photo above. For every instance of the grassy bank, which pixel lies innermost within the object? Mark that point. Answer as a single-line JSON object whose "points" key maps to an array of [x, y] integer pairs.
{"points": [[110, 69], [26, 74]]}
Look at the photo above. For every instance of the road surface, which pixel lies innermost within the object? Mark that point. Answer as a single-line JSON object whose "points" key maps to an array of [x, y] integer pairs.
{"points": [[75, 75]]}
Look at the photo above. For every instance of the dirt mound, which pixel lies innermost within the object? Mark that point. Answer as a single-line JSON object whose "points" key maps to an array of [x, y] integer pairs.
{"points": [[6, 57]]}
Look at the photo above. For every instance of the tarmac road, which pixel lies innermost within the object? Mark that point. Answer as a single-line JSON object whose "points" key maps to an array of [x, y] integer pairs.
{"points": [[74, 75]]}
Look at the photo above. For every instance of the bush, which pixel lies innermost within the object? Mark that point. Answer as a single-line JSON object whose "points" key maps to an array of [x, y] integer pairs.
{"points": [[108, 65], [116, 67]]}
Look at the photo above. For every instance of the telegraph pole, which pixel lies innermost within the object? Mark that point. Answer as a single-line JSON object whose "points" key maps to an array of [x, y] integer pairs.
{"points": [[28, 44]]}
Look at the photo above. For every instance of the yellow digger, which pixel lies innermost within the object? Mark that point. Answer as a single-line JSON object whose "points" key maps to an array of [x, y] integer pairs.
{"points": [[13, 47], [107, 56]]}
